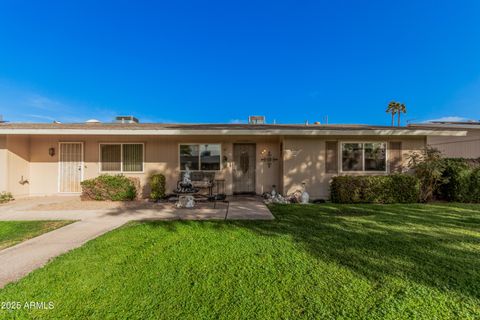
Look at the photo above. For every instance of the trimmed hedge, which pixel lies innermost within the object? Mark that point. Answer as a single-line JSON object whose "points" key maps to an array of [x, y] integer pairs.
{"points": [[456, 181], [110, 187], [462, 181], [395, 188], [157, 186]]}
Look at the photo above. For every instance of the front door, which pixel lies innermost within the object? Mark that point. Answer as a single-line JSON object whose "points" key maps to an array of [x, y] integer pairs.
{"points": [[70, 166], [244, 168]]}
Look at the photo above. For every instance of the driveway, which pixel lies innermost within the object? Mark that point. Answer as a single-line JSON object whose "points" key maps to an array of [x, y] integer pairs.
{"points": [[95, 219]]}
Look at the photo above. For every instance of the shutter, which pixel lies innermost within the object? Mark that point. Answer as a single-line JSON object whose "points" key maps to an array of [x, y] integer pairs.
{"points": [[395, 156], [331, 157]]}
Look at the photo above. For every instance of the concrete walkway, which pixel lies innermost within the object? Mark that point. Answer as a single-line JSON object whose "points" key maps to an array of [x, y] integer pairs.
{"points": [[21, 259]]}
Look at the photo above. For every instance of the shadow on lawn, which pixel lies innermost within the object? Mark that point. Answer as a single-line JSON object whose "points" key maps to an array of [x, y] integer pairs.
{"points": [[436, 246]]}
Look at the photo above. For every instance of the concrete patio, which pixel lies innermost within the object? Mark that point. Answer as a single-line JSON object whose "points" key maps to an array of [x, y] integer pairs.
{"points": [[97, 218]]}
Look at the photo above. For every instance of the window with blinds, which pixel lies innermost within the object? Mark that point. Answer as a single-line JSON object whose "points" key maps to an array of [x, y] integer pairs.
{"points": [[121, 157]]}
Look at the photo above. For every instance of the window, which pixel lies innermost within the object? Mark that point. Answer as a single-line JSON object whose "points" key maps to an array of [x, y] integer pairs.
{"points": [[364, 156], [375, 159], [200, 156], [121, 157]]}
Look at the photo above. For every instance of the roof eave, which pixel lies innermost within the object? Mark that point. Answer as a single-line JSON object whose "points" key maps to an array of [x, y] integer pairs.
{"points": [[269, 132]]}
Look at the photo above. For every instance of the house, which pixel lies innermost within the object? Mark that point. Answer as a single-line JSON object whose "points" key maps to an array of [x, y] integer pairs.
{"points": [[467, 146], [47, 159]]}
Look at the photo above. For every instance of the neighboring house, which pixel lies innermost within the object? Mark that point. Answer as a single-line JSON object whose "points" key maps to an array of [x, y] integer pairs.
{"points": [[454, 146], [47, 159]]}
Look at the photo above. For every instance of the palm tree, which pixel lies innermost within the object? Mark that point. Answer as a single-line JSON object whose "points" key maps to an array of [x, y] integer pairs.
{"points": [[401, 109], [393, 109]]}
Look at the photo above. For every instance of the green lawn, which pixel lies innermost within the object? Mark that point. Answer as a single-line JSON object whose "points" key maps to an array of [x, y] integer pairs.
{"points": [[314, 261], [13, 232]]}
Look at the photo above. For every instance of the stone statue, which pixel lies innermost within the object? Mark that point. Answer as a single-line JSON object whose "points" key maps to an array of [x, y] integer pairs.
{"points": [[274, 191], [305, 197], [185, 202], [186, 177]]}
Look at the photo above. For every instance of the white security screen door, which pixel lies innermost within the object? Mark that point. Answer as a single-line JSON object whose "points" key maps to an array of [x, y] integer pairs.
{"points": [[70, 167]]}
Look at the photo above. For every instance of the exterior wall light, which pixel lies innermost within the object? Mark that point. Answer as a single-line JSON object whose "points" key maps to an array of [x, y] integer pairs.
{"points": [[51, 152]]}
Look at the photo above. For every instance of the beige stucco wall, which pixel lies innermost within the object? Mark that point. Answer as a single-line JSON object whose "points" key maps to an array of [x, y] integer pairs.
{"points": [[15, 165], [161, 155], [304, 161], [18, 159], [458, 147]]}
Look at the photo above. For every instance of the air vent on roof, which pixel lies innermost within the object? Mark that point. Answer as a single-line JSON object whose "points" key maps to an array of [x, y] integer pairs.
{"points": [[92, 121], [256, 119], [126, 119]]}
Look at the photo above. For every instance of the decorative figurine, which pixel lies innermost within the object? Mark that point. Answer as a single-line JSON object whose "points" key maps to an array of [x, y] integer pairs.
{"points": [[305, 197]]}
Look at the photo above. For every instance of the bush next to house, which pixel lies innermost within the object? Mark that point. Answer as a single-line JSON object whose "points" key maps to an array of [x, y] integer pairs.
{"points": [[456, 180], [396, 188], [5, 197], [428, 166], [157, 186], [446, 179], [461, 181], [110, 187]]}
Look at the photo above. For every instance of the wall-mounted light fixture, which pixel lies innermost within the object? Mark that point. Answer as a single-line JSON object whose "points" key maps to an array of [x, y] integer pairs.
{"points": [[268, 158], [51, 152]]}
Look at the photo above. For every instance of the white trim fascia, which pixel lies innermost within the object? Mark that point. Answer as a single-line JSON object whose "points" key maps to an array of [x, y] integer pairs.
{"points": [[269, 132]]}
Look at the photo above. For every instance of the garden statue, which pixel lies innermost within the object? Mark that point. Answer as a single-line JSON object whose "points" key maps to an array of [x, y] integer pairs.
{"points": [[274, 191], [185, 190], [186, 181], [305, 197], [185, 202]]}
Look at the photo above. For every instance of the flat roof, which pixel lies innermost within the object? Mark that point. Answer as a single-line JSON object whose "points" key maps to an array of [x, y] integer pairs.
{"points": [[447, 125], [215, 129]]}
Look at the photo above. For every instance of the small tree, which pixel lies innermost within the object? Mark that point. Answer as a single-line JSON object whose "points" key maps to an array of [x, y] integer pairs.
{"points": [[392, 108], [396, 108], [401, 108], [157, 185], [428, 167]]}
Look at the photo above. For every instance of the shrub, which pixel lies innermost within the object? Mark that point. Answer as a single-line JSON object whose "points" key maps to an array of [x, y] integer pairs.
{"points": [[157, 186], [109, 187], [474, 186], [5, 197], [396, 188], [428, 166], [456, 180]]}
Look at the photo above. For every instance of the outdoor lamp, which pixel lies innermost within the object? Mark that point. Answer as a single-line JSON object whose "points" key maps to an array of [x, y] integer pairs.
{"points": [[51, 152]]}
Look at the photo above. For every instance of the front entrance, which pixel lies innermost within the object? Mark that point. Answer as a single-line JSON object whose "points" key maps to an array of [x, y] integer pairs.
{"points": [[244, 168], [70, 167]]}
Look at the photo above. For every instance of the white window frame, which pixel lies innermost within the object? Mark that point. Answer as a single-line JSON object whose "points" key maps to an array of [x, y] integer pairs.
{"points": [[199, 156], [340, 158], [121, 157]]}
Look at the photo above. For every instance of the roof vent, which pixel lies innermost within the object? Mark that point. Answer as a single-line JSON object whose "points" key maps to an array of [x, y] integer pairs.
{"points": [[126, 119], [256, 119], [92, 121]]}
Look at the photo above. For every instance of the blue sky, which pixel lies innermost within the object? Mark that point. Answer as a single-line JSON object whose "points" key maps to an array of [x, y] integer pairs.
{"points": [[220, 61]]}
